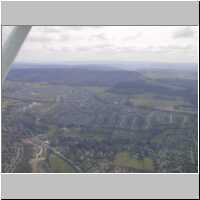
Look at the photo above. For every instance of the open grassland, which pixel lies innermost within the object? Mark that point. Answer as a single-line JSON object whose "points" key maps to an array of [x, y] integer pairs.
{"points": [[149, 101], [59, 166], [5, 103], [97, 134], [123, 159]]}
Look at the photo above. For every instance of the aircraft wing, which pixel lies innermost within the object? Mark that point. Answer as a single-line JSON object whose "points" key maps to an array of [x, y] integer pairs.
{"points": [[11, 47]]}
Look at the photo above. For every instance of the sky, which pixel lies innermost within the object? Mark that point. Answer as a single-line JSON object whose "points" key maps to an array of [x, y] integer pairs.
{"points": [[50, 44]]}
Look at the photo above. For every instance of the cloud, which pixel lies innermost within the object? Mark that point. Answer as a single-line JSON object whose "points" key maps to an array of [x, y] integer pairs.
{"points": [[82, 43], [100, 36], [40, 38], [103, 47], [76, 28], [133, 37], [83, 48], [64, 37], [50, 29], [186, 32]]}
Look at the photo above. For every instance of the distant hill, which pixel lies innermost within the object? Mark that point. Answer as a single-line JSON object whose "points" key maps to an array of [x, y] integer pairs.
{"points": [[110, 66], [120, 81], [101, 67], [183, 88], [73, 76]]}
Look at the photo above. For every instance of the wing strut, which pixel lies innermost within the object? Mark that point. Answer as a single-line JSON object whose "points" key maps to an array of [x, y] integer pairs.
{"points": [[11, 47]]}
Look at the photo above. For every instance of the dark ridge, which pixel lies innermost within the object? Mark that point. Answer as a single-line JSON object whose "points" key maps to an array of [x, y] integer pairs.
{"points": [[73, 76]]}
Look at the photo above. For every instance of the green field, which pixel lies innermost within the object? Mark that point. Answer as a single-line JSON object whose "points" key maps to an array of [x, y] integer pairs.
{"points": [[59, 166], [123, 159], [96, 134], [95, 89], [150, 101], [5, 103]]}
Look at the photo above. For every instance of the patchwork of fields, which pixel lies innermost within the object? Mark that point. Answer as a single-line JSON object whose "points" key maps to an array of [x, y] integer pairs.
{"points": [[129, 125]]}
